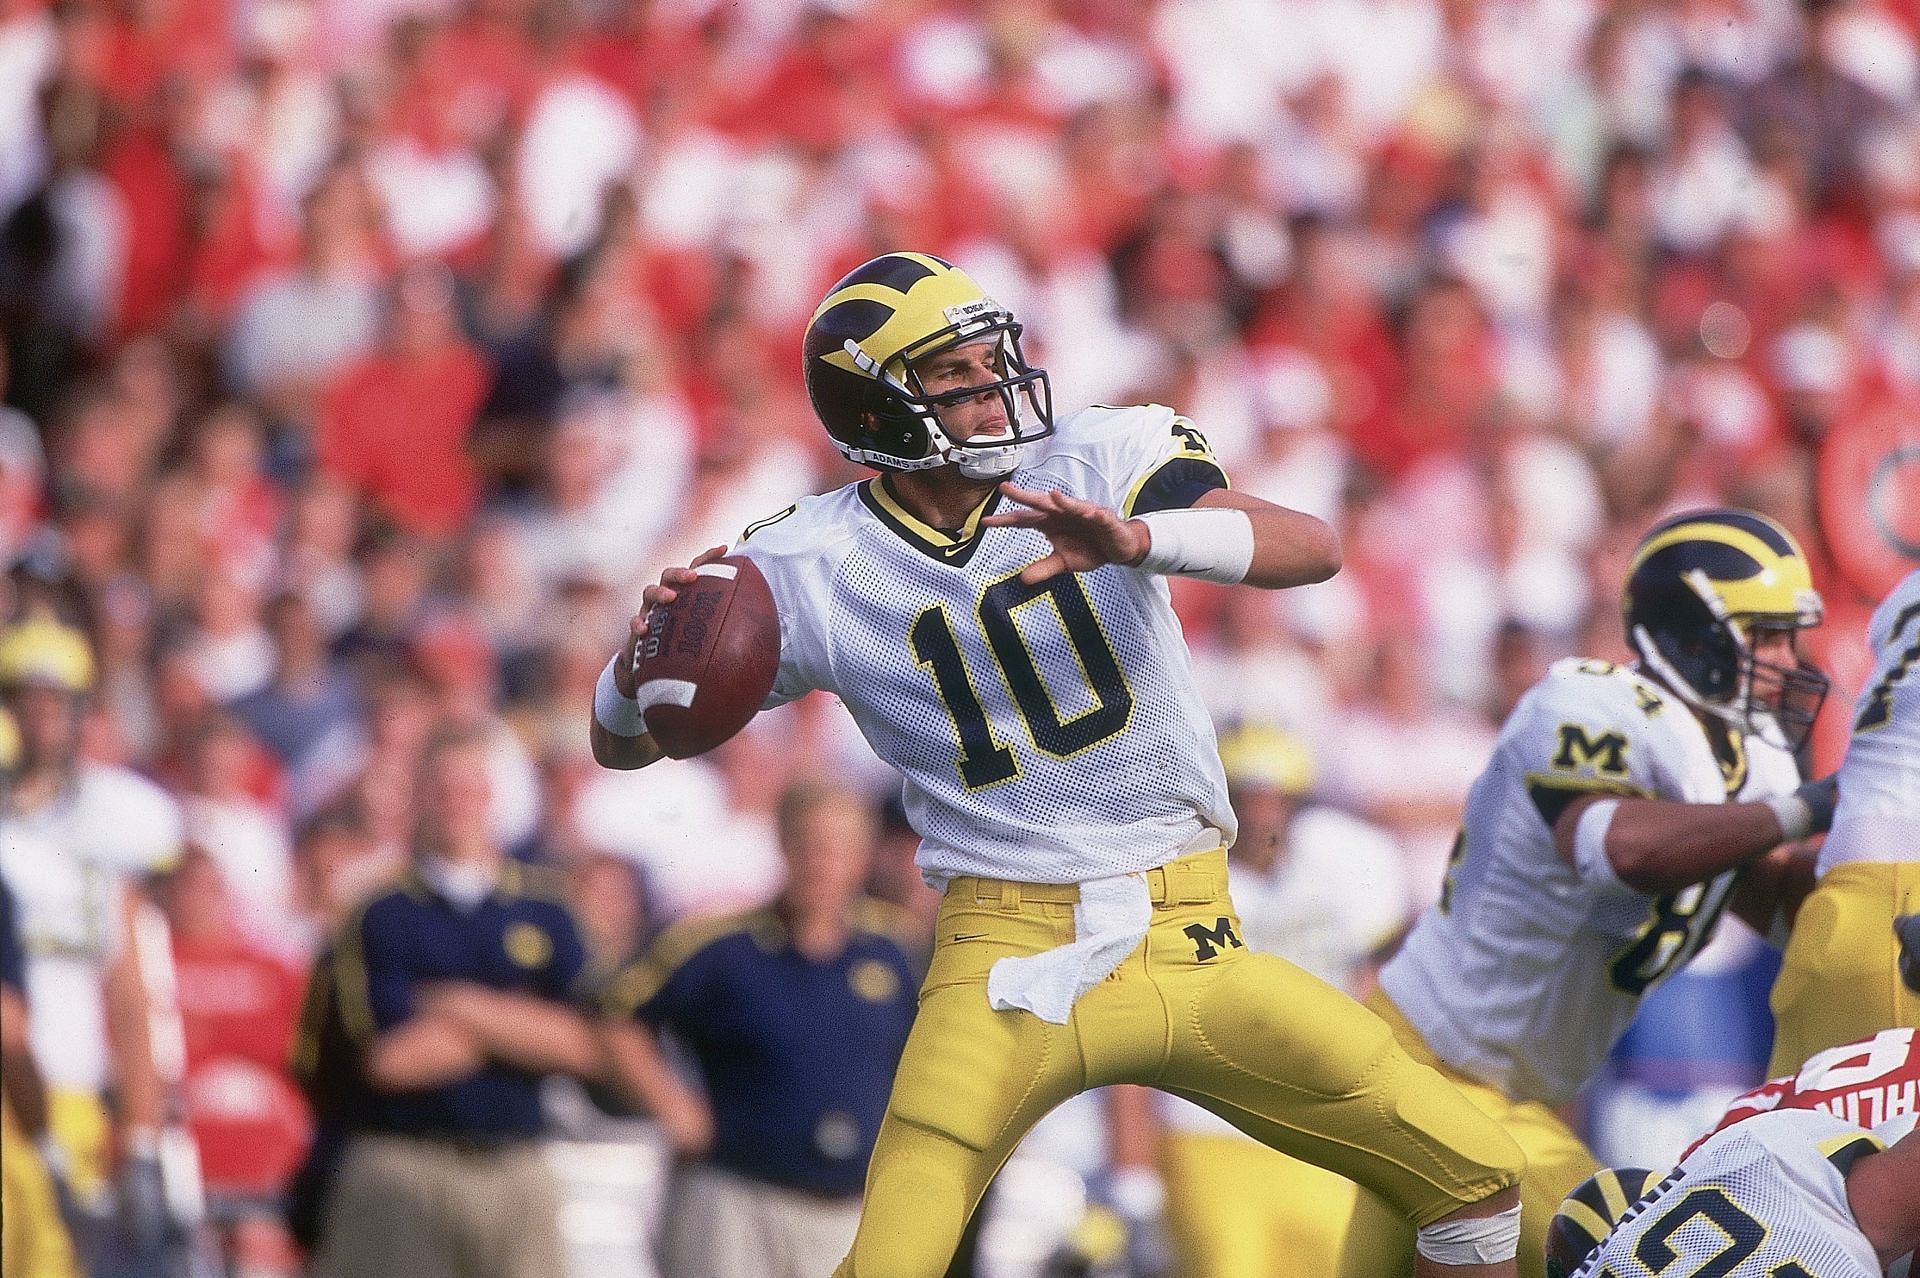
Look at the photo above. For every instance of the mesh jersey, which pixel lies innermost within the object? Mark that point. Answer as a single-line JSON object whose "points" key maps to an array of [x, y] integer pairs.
{"points": [[68, 864], [1866, 1083], [1526, 972], [1765, 1199], [1047, 733], [1879, 786]]}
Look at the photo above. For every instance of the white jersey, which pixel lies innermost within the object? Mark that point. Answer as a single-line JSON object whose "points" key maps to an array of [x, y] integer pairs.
{"points": [[1766, 1198], [1047, 733], [1526, 972], [68, 865], [1879, 814]]}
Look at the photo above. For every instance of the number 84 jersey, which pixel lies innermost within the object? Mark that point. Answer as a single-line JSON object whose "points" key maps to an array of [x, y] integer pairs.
{"points": [[1045, 733], [1527, 971]]}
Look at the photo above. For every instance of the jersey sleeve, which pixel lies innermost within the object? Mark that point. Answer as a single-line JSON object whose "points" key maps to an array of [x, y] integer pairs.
{"points": [[784, 548], [1149, 458], [1594, 728]]}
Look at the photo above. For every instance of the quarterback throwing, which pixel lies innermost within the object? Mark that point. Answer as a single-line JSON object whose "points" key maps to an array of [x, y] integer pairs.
{"points": [[992, 608]]}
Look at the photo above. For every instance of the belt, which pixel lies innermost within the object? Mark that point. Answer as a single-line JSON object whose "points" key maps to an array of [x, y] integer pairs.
{"points": [[1194, 879]]}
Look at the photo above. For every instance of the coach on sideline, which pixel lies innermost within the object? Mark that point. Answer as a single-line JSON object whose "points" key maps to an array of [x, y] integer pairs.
{"points": [[454, 986], [796, 1015]]}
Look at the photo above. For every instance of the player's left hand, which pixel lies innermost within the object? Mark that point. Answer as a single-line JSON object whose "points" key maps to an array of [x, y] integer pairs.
{"points": [[1084, 536]]}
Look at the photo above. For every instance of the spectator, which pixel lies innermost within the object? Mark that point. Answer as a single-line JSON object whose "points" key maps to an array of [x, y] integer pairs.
{"points": [[796, 1015], [238, 1004], [454, 989], [310, 714]]}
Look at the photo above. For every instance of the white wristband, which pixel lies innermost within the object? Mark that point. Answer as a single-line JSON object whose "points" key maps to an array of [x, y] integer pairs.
{"points": [[1794, 816], [620, 715], [1590, 842], [1213, 544]]}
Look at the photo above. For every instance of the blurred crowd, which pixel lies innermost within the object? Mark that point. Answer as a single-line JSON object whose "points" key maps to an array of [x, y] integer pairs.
{"points": [[364, 358]]}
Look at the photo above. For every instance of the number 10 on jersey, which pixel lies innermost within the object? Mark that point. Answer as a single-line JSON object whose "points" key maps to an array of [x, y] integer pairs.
{"points": [[984, 759]]}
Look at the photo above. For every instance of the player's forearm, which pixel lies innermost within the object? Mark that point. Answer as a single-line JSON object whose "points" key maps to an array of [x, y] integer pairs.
{"points": [[1290, 548], [425, 1052], [1658, 845]]}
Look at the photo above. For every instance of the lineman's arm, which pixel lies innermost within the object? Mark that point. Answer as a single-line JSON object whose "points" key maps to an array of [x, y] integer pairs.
{"points": [[1884, 1192], [634, 1065], [1662, 845], [129, 1029]]}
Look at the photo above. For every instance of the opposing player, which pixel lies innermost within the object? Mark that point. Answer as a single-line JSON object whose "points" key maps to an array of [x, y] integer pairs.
{"points": [[1792, 1194], [1599, 845], [1780, 1180], [992, 611], [1836, 982]]}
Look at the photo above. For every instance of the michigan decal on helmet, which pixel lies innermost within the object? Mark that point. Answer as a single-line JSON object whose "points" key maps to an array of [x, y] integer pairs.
{"points": [[1590, 1212], [871, 334], [1700, 589]]}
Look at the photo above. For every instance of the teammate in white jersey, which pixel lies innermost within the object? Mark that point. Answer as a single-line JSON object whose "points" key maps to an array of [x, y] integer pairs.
{"points": [[1836, 982], [992, 610], [1599, 846], [74, 838]]}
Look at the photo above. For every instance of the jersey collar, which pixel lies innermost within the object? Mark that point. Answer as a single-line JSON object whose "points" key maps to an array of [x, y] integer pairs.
{"points": [[947, 548]]}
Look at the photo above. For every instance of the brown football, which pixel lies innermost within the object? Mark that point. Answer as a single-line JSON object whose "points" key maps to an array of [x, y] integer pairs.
{"points": [[709, 658]]}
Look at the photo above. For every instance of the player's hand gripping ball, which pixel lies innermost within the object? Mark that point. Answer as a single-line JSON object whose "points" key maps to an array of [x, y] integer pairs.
{"points": [[708, 659]]}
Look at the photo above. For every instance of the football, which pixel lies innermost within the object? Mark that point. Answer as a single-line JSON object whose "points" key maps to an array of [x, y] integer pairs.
{"points": [[709, 658]]}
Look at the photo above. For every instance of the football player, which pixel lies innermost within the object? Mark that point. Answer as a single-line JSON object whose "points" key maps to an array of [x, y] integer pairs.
{"points": [[1792, 1194], [993, 610], [1836, 982], [1874, 1082], [1600, 844]]}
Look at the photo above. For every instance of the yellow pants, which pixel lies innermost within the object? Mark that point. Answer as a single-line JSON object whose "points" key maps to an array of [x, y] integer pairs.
{"points": [[1557, 1160], [1236, 1209], [1284, 1057], [33, 1239], [1839, 980]]}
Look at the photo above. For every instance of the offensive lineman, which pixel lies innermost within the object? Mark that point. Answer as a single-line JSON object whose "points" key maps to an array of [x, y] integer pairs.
{"points": [[1796, 1192], [1599, 845], [1024, 672], [1837, 980]]}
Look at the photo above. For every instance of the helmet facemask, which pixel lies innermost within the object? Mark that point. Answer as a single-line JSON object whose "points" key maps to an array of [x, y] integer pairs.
{"points": [[901, 401], [1708, 661]]}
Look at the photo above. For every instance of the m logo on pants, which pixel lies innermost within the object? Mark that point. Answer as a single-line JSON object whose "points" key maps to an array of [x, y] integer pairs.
{"points": [[1209, 941]]}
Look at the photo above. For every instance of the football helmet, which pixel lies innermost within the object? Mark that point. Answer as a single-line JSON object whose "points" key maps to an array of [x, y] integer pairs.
{"points": [[863, 344], [43, 651], [1700, 588], [1589, 1214], [1256, 756]]}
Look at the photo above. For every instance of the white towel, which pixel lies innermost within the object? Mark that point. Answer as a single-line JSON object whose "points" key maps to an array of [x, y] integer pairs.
{"points": [[1110, 920]]}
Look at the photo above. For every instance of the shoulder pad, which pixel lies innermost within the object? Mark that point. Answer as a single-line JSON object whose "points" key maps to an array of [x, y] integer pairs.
{"points": [[806, 526]]}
